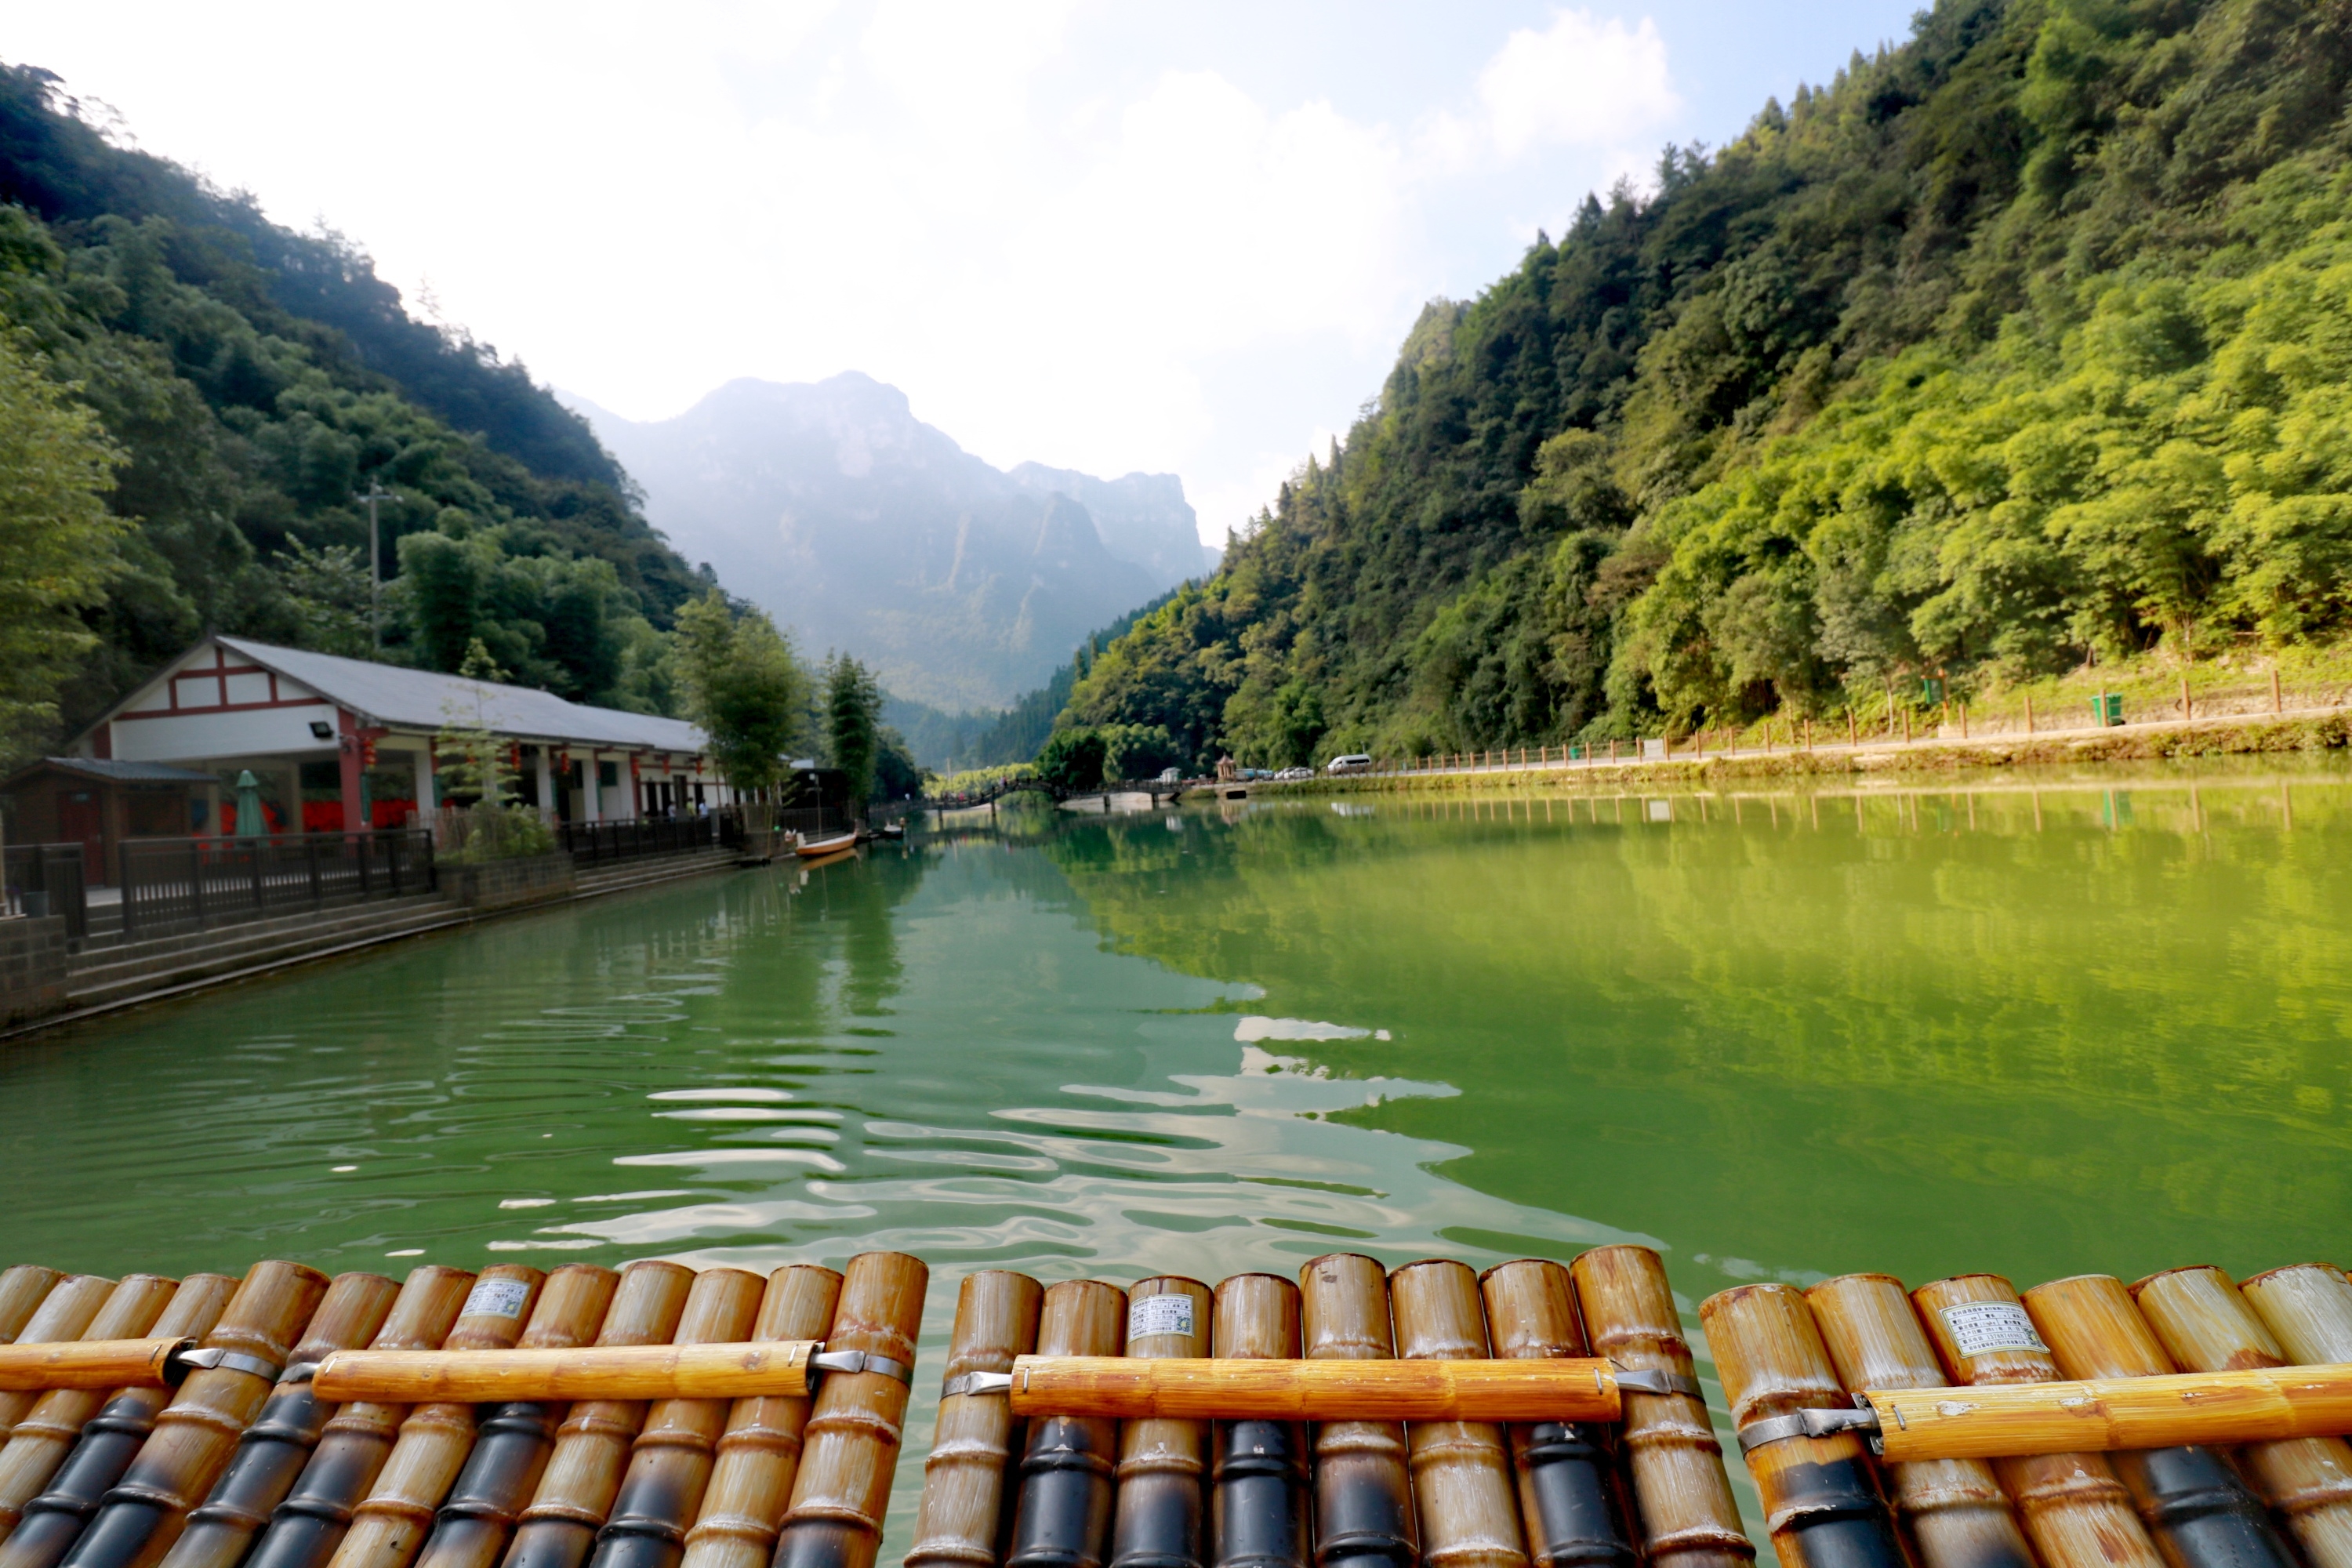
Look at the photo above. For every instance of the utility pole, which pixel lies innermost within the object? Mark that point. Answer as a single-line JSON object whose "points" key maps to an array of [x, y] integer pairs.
{"points": [[375, 493]]}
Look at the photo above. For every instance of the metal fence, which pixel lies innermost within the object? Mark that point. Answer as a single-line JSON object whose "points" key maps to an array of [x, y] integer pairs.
{"points": [[593, 843], [814, 821], [46, 880], [178, 884]]}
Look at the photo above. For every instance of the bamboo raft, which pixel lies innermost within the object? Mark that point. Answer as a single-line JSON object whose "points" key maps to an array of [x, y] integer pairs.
{"points": [[1538, 1416]]}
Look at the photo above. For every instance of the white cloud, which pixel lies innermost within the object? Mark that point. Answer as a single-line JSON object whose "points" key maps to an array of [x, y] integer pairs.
{"points": [[1583, 82]]}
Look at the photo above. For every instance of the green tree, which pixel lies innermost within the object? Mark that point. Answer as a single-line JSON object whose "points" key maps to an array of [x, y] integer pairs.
{"points": [[853, 724], [1072, 758], [59, 546], [740, 684]]}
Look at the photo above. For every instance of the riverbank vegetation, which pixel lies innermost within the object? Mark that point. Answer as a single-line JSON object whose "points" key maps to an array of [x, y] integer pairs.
{"points": [[2012, 360]]}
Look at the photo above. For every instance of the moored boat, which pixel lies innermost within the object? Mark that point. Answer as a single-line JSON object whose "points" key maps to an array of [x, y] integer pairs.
{"points": [[830, 844]]}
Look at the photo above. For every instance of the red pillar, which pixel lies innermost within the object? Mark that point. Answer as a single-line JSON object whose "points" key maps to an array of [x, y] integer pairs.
{"points": [[347, 748]]}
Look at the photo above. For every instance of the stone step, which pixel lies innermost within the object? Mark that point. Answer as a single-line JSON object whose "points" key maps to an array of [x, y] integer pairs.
{"points": [[93, 984], [301, 922], [615, 877]]}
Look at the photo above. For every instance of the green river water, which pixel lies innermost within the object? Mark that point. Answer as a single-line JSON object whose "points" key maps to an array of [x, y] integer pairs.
{"points": [[2038, 1026]]}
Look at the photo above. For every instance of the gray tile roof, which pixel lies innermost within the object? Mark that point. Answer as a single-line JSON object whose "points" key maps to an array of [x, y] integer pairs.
{"points": [[393, 697]]}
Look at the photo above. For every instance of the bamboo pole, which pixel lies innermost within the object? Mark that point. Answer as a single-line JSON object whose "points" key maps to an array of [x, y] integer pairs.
{"points": [[116, 1423], [1163, 1463], [2206, 1326], [1955, 1510], [435, 1438], [855, 1426], [1363, 1487], [971, 1449], [1573, 1515], [669, 1463], [2075, 1513], [760, 1449], [30, 1368], [194, 1437], [1462, 1484], [23, 1288], [270, 1455], [306, 1528], [1129, 1389], [722, 1370], [2308, 1307], [575, 1490], [511, 1443], [1061, 1519], [1257, 1498], [1820, 1500], [1682, 1498], [2198, 1511], [64, 1315]]}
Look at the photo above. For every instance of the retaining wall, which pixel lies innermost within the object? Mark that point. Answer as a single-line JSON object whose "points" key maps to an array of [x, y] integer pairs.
{"points": [[32, 968], [505, 884]]}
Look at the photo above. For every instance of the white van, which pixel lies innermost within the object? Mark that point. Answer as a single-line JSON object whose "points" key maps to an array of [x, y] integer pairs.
{"points": [[1353, 762]]}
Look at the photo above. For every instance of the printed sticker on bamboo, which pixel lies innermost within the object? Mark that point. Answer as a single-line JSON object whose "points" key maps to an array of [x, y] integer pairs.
{"points": [[77, 1442], [1163, 1462], [271, 1453], [1683, 1505], [1573, 1516], [1258, 1471], [1062, 1516], [759, 1448], [851, 1443], [1362, 1482], [2308, 1307], [2206, 1326], [307, 1526], [513, 1442], [434, 1439], [23, 1288], [2076, 1512], [1821, 1496], [197, 1431], [1955, 1510], [65, 1313], [2197, 1511], [669, 1463], [962, 1512], [1463, 1487], [592, 1446]]}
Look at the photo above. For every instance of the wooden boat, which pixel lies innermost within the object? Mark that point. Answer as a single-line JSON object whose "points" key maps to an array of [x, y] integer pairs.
{"points": [[831, 844], [1539, 1416]]}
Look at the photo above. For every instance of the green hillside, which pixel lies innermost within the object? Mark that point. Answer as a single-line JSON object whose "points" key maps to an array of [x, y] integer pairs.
{"points": [[249, 380], [2024, 345]]}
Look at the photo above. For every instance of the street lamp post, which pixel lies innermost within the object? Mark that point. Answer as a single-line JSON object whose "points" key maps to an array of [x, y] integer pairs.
{"points": [[375, 493]]}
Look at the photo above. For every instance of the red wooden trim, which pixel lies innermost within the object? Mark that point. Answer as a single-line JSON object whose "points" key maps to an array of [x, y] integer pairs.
{"points": [[229, 707]]}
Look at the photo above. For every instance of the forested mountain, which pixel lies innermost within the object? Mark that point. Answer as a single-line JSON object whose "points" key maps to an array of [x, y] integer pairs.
{"points": [[252, 379], [2026, 344], [859, 527]]}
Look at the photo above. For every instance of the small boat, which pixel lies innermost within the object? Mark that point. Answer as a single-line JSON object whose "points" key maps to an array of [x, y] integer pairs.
{"points": [[831, 844], [888, 830]]}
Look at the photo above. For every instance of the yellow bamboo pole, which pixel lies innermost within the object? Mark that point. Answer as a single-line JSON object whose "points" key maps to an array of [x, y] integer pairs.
{"points": [[1363, 1487], [1248, 1389], [1061, 1518], [1462, 1490], [1258, 1497], [1574, 1516], [851, 1442], [963, 1481], [1163, 1464], [23, 1288], [2308, 1307], [65, 1314]]}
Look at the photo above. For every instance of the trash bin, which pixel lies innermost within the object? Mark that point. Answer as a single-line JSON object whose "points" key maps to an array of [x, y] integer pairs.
{"points": [[2108, 708]]}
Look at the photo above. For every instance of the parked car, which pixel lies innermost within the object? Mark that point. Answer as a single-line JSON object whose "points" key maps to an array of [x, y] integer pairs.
{"points": [[1291, 774], [1171, 775], [1353, 762]]}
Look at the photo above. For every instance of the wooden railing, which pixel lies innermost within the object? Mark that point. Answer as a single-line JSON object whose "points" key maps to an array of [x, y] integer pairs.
{"points": [[181, 884]]}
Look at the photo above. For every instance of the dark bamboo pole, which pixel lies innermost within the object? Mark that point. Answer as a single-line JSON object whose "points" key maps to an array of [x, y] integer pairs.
{"points": [[1258, 1474], [1955, 1510], [23, 1288], [2308, 1307], [434, 1439], [1363, 1488], [2206, 1326], [1820, 1500], [1062, 1517], [117, 1423], [2076, 1513], [271, 1453], [65, 1313], [669, 1463], [1462, 1483], [962, 1512], [1682, 1498], [306, 1528], [1163, 1462], [851, 1442], [1573, 1514], [575, 1491], [511, 1443], [760, 1450], [142, 1515], [2200, 1513]]}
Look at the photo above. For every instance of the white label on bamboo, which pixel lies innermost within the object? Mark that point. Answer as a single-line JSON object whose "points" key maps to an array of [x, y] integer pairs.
{"points": [[1980, 1328], [1159, 1315], [497, 1298]]}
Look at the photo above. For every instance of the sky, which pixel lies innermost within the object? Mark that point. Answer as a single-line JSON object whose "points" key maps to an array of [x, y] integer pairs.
{"points": [[1166, 237]]}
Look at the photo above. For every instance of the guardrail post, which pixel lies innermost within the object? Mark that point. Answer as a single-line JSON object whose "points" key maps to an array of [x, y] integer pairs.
{"points": [[310, 864], [196, 880]]}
